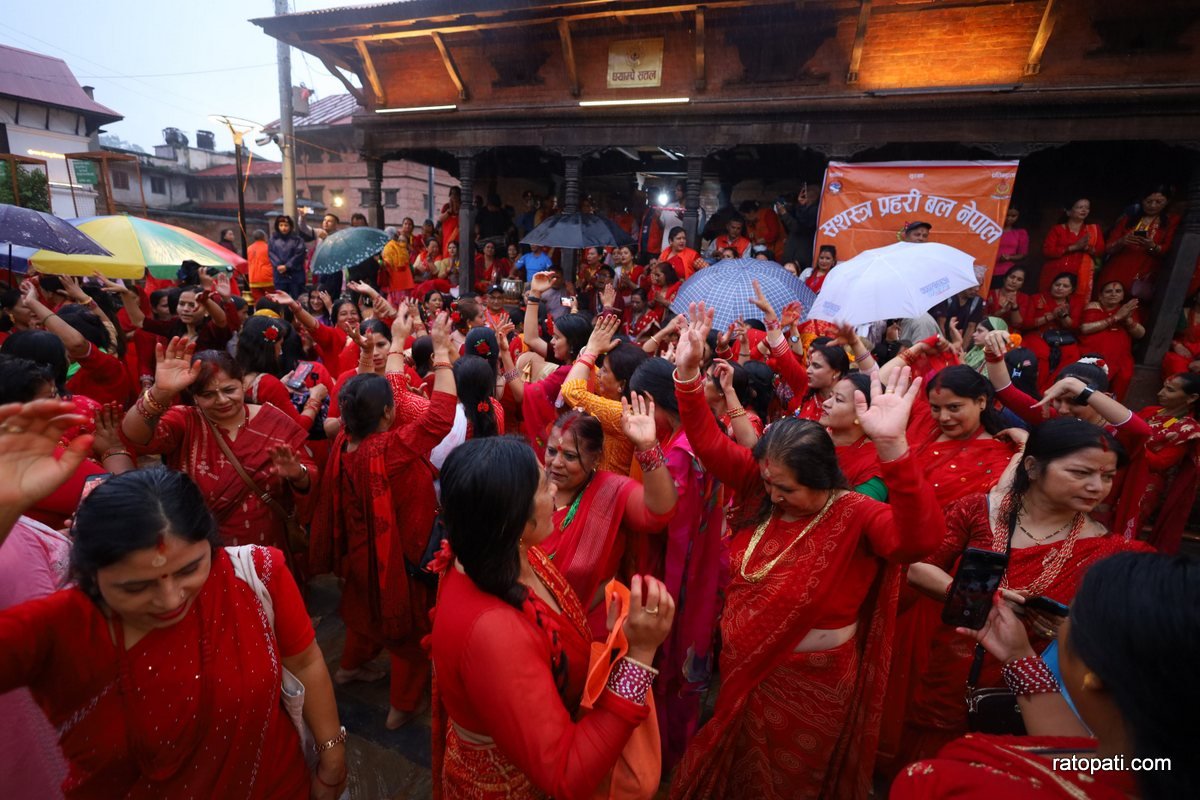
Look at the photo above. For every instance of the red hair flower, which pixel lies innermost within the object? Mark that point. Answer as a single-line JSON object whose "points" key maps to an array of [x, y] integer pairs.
{"points": [[455, 317], [271, 333], [483, 407], [482, 348]]}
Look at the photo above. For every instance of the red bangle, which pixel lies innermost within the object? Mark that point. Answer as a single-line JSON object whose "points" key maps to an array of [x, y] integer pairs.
{"points": [[773, 324], [696, 384], [992, 358], [1029, 676], [931, 341], [651, 459]]}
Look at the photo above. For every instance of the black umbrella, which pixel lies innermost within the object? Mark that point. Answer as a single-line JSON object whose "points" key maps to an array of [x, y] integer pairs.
{"points": [[29, 228], [577, 231]]}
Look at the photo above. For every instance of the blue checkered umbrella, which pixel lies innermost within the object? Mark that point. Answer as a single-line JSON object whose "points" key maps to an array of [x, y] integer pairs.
{"points": [[725, 286]]}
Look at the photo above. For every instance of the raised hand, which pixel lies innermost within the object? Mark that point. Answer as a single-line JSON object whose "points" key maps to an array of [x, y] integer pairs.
{"points": [[175, 370], [722, 371], [109, 285], [205, 280], [285, 463], [955, 341], [651, 612], [609, 296], [502, 333], [994, 343], [402, 325], [1066, 388], [353, 332], [541, 282], [327, 300], [689, 352], [362, 288], [761, 303], [223, 287], [29, 468], [601, 340], [439, 330], [284, 299], [637, 420], [108, 424], [793, 311], [71, 286], [886, 420]]}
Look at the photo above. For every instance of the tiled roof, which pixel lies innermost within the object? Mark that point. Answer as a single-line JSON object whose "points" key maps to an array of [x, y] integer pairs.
{"points": [[48, 80], [257, 168], [333, 110]]}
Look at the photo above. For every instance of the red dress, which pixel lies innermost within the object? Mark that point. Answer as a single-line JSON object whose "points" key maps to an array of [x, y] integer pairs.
{"points": [[1079, 263], [588, 549], [1033, 336], [803, 404], [996, 302], [372, 523], [103, 378], [495, 681], [1160, 481], [1189, 339], [1013, 767], [938, 711], [1113, 343], [191, 710], [1130, 263], [788, 724], [186, 442]]}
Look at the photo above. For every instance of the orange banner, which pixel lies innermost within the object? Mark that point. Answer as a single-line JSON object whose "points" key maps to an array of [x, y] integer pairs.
{"points": [[864, 206]]}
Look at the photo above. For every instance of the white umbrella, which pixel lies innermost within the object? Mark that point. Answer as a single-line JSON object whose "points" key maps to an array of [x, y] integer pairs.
{"points": [[899, 281]]}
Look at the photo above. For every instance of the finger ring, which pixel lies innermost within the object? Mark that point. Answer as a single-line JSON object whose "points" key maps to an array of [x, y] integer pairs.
{"points": [[9, 428], [650, 610]]}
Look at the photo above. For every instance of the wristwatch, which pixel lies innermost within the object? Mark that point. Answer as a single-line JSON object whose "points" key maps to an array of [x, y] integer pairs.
{"points": [[793, 339], [1081, 399]]}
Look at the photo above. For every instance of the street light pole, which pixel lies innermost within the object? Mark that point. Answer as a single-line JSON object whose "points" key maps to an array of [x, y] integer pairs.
{"points": [[241, 191], [284, 52]]}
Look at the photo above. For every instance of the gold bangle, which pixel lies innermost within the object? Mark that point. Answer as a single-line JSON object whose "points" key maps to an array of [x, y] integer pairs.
{"points": [[334, 742], [735, 412]]}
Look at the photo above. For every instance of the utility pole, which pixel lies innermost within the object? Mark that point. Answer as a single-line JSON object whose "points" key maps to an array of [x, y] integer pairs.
{"points": [[285, 120]]}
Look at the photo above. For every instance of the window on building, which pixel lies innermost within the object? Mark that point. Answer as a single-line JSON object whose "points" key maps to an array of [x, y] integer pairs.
{"points": [[157, 185], [120, 180], [389, 197], [193, 191], [316, 193], [424, 201], [218, 192], [364, 197], [260, 192]]}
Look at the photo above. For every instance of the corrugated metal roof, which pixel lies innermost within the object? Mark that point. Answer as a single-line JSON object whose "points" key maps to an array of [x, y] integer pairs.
{"points": [[48, 80], [333, 110], [256, 169]]}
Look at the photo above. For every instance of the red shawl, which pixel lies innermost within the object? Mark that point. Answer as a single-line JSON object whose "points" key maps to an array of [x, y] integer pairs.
{"points": [[957, 467], [859, 461], [1160, 482], [539, 407]]}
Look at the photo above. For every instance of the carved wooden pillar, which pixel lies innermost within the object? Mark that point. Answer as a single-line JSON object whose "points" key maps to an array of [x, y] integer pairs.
{"points": [[1169, 296], [691, 200], [375, 191], [572, 168], [466, 221]]}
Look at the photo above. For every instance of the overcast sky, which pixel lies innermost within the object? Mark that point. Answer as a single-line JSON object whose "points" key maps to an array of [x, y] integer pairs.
{"points": [[169, 64]]}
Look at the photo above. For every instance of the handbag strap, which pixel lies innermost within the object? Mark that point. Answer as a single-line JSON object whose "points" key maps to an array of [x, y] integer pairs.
{"points": [[980, 651]]}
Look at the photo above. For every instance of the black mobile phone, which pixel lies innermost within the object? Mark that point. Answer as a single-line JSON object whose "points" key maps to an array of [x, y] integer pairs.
{"points": [[91, 482], [1143, 234], [1047, 606], [975, 583], [297, 382]]}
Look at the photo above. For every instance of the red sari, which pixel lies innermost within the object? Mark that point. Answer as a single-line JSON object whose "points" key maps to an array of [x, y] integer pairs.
{"points": [[495, 680], [589, 548], [938, 711], [1129, 263], [1188, 339], [1033, 336], [186, 442], [191, 710], [371, 527], [790, 724], [998, 299], [1113, 343], [656, 312], [859, 461], [1160, 481], [1014, 767], [1079, 263]]}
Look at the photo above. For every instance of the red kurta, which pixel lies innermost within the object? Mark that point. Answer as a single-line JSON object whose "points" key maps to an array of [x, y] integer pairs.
{"points": [[191, 710], [494, 680], [185, 440], [1113, 343], [1130, 263], [1160, 481], [1033, 336], [791, 724], [103, 378]]}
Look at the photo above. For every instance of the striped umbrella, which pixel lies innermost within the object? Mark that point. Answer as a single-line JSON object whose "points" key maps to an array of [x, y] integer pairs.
{"points": [[137, 246], [233, 258], [726, 287]]}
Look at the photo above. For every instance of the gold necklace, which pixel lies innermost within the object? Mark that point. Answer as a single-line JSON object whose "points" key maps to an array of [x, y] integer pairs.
{"points": [[1045, 539], [761, 530]]}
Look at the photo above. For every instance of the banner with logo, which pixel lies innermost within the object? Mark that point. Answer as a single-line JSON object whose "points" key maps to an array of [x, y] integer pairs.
{"points": [[864, 206]]}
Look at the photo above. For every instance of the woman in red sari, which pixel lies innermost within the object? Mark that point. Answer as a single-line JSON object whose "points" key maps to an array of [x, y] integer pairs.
{"points": [[855, 451], [814, 277], [1005, 300], [1108, 328], [1127, 661], [1138, 243], [1160, 484], [1185, 349], [1043, 522], [373, 523], [510, 644], [159, 667], [270, 447], [1048, 322], [595, 511], [1074, 246], [489, 268], [682, 257], [806, 630]]}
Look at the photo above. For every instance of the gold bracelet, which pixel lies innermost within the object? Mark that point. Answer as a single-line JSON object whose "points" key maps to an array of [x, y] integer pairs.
{"points": [[334, 742], [637, 663]]}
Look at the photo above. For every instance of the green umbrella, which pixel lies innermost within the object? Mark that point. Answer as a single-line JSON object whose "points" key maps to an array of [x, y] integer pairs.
{"points": [[347, 248]]}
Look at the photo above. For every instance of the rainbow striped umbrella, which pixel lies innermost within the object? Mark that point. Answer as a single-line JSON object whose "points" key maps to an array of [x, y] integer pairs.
{"points": [[137, 246]]}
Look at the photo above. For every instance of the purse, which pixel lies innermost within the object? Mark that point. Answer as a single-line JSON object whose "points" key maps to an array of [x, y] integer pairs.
{"points": [[295, 539], [291, 693], [1059, 338], [638, 771], [992, 710]]}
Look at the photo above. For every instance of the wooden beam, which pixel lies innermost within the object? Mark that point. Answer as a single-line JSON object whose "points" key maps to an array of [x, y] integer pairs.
{"points": [[701, 75], [451, 67], [1033, 64], [372, 75], [330, 60], [564, 33], [860, 38]]}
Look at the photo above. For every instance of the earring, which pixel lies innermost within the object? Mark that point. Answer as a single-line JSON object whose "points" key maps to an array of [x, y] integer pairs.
{"points": [[856, 422]]}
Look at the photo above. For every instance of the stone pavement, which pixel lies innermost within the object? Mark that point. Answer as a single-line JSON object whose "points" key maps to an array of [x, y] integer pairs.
{"points": [[384, 765]]}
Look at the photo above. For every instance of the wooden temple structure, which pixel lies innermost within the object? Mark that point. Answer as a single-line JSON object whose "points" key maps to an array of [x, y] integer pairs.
{"points": [[1096, 96]]}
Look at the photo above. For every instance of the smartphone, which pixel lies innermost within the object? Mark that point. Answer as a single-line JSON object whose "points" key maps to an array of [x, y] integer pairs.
{"points": [[1047, 606], [566, 301], [1143, 234], [978, 577], [297, 382], [91, 482]]}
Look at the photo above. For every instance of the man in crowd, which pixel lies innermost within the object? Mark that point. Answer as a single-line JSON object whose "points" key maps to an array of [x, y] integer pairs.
{"points": [[533, 262], [732, 238], [917, 232]]}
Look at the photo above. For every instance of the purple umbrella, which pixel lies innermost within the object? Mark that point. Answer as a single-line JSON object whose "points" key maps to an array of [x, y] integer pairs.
{"points": [[28, 228]]}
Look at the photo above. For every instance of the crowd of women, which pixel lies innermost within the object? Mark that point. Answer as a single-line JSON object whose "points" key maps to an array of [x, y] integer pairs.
{"points": [[569, 527]]}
